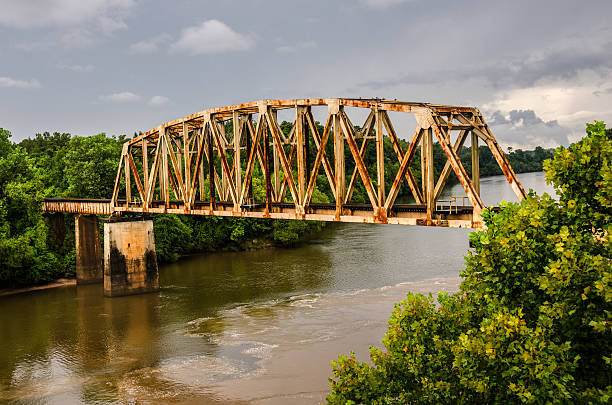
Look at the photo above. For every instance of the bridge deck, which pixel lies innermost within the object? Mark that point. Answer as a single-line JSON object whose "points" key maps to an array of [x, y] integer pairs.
{"points": [[402, 214]]}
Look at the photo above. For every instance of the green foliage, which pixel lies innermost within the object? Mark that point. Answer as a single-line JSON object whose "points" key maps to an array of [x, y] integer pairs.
{"points": [[24, 255], [91, 164], [172, 237], [49, 153], [582, 175], [532, 322], [288, 233]]}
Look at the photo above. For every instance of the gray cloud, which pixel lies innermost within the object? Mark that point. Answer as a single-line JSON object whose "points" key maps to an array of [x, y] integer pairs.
{"points": [[77, 68], [122, 97], [523, 70], [602, 92], [297, 47], [524, 129], [158, 101], [150, 45], [108, 14], [384, 3], [18, 83]]}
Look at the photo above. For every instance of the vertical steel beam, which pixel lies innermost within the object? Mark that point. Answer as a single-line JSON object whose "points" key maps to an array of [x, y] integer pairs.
{"points": [[166, 171], [187, 171], [334, 110], [301, 161], [306, 150], [200, 167], [145, 163], [424, 165], [237, 162], [266, 159], [160, 172], [248, 156], [179, 165], [223, 193], [380, 161], [128, 185], [211, 166], [275, 155], [427, 170], [475, 164]]}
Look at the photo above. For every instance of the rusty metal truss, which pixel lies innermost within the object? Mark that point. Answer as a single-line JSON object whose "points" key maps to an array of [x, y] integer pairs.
{"points": [[192, 165]]}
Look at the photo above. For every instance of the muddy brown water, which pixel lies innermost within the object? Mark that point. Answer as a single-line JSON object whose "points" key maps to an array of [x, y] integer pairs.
{"points": [[258, 327]]}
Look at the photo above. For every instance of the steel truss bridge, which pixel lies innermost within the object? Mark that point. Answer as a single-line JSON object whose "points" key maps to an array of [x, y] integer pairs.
{"points": [[194, 166]]}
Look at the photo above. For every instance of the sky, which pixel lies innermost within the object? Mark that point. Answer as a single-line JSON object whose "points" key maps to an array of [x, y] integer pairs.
{"points": [[538, 70]]}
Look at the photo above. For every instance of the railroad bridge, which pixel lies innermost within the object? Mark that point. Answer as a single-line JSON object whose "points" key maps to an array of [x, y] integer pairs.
{"points": [[205, 164]]}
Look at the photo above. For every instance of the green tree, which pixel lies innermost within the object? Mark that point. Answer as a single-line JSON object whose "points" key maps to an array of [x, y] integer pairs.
{"points": [[532, 322], [582, 176], [24, 256], [49, 153], [172, 237], [91, 165]]}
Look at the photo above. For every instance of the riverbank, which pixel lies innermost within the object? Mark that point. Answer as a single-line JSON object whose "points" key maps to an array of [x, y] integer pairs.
{"points": [[247, 246], [60, 282]]}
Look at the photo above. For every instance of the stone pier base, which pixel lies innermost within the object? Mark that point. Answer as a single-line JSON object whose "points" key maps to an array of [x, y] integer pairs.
{"points": [[130, 261], [88, 250]]}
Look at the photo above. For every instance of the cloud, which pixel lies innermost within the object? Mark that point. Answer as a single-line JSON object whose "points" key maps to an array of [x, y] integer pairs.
{"points": [[563, 61], [77, 68], [158, 100], [523, 129], [78, 37], [107, 14], [211, 37], [123, 97], [19, 84], [149, 46], [383, 3], [570, 103], [297, 47], [603, 92], [144, 47]]}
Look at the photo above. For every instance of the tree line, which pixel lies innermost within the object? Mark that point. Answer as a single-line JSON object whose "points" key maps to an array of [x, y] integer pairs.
{"points": [[61, 165]]}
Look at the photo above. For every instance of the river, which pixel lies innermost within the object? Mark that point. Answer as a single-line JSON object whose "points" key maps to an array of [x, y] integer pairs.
{"points": [[255, 327]]}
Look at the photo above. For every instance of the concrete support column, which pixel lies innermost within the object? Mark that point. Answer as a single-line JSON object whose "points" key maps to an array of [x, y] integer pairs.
{"points": [[88, 250], [130, 261]]}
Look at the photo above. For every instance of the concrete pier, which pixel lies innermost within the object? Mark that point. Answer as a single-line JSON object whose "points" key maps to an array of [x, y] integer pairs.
{"points": [[130, 261], [88, 249]]}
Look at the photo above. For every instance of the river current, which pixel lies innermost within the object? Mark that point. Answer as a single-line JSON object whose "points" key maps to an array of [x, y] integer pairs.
{"points": [[255, 327]]}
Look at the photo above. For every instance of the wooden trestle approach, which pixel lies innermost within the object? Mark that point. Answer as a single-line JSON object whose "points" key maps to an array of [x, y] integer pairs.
{"points": [[189, 166]]}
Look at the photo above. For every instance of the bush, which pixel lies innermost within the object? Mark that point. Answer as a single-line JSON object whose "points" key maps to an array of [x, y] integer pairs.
{"points": [[532, 322], [172, 237]]}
